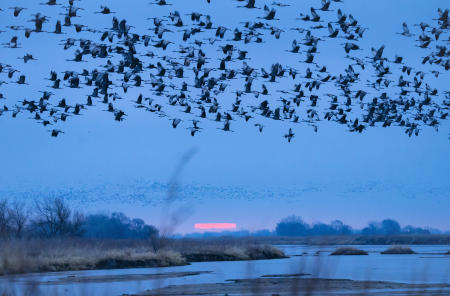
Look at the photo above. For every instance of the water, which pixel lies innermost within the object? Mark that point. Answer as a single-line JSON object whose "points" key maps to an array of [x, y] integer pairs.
{"points": [[429, 265]]}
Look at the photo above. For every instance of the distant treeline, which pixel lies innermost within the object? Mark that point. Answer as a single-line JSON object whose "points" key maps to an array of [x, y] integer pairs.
{"points": [[53, 218], [295, 226]]}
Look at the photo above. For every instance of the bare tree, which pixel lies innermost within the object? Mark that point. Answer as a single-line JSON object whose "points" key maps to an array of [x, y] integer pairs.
{"points": [[17, 219], [4, 219], [54, 218]]}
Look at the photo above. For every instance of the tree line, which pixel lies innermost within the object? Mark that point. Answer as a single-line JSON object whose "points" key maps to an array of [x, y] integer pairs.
{"points": [[54, 218], [296, 226]]}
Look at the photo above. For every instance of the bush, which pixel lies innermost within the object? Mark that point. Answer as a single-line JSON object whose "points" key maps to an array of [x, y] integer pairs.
{"points": [[397, 250], [349, 251]]}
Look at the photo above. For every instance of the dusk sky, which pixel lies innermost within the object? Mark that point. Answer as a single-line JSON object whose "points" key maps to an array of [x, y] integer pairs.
{"points": [[244, 177]]}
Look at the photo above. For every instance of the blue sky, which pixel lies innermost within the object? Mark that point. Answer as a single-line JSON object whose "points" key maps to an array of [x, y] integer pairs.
{"points": [[242, 177]]}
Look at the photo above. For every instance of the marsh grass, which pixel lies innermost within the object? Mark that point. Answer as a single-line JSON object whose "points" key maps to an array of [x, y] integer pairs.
{"points": [[398, 250], [224, 249], [348, 251], [37, 255], [24, 256]]}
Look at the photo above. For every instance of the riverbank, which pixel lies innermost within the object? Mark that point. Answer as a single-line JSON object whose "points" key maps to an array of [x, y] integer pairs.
{"points": [[28, 256], [279, 285]]}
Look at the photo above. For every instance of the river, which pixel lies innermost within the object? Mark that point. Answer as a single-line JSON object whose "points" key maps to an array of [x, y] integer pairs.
{"points": [[429, 265]]}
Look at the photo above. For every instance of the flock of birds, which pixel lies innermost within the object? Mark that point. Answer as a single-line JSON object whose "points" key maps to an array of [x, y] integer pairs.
{"points": [[187, 63]]}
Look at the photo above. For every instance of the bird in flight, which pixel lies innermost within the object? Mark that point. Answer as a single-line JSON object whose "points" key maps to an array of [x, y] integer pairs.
{"points": [[190, 68]]}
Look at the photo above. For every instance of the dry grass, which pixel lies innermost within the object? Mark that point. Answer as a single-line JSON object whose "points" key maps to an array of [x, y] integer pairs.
{"points": [[398, 250], [58, 255], [348, 251], [25, 256], [233, 253]]}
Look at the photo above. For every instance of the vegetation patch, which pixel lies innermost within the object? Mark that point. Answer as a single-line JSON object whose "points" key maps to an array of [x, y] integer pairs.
{"points": [[24, 256], [50, 255], [398, 250], [233, 253], [349, 251]]}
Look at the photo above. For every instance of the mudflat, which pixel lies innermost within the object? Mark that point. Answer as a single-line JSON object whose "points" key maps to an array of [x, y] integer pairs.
{"points": [[278, 285], [73, 279]]}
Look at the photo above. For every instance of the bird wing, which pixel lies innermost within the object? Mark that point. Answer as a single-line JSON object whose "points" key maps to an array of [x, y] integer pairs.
{"points": [[405, 29], [330, 28]]}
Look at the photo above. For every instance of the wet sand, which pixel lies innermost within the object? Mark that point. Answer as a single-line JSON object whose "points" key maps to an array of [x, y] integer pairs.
{"points": [[283, 286], [74, 279]]}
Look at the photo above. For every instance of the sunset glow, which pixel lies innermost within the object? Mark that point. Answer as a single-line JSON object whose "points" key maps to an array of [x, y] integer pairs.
{"points": [[212, 226]]}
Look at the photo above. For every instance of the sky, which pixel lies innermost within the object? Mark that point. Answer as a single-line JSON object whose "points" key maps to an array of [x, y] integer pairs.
{"points": [[241, 177]]}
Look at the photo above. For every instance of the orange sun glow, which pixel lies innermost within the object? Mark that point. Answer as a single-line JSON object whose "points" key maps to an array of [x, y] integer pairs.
{"points": [[213, 226]]}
